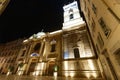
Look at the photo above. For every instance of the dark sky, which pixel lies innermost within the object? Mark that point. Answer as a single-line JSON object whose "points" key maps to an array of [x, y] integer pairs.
{"points": [[22, 18]]}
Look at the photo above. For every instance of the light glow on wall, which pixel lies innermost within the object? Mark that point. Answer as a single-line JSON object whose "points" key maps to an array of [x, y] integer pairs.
{"points": [[91, 74], [40, 66], [20, 72], [88, 75], [66, 74], [66, 55], [72, 73], [91, 65], [66, 65], [94, 75], [85, 55], [55, 74], [39, 69]]}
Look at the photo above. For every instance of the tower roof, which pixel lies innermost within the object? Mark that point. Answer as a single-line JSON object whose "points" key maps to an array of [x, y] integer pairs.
{"points": [[70, 5]]}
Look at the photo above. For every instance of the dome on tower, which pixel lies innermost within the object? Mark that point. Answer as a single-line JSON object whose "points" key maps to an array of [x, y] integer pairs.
{"points": [[38, 35]]}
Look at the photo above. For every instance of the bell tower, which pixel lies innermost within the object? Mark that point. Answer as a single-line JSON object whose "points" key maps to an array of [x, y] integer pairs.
{"points": [[72, 17]]}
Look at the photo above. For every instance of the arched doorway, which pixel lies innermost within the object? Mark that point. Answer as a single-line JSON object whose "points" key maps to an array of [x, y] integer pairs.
{"points": [[51, 65], [32, 66]]}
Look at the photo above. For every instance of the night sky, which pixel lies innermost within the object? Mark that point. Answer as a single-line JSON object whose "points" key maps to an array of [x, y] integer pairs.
{"points": [[23, 18]]}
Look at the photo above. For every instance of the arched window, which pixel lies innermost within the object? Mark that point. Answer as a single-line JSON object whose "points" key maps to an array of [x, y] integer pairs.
{"points": [[71, 13], [53, 45], [71, 16], [76, 53]]}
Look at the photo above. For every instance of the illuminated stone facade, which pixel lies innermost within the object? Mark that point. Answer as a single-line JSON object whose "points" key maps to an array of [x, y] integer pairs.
{"points": [[103, 21], [78, 56], [40, 54], [67, 52], [8, 55]]}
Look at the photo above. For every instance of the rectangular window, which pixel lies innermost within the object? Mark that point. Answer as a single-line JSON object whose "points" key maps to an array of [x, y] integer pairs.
{"points": [[23, 53], [117, 18], [104, 27], [100, 40], [94, 8], [53, 47], [76, 53]]}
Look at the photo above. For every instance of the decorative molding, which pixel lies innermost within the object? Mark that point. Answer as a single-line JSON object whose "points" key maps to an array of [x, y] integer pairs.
{"points": [[115, 47]]}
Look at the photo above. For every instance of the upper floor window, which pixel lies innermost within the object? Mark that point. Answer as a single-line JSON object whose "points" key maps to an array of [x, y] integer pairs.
{"points": [[100, 40], [71, 16], [94, 8], [23, 53], [53, 45], [76, 53], [37, 47], [104, 27]]}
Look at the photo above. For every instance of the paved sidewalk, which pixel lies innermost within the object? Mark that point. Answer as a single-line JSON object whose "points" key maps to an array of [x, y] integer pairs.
{"points": [[16, 77]]}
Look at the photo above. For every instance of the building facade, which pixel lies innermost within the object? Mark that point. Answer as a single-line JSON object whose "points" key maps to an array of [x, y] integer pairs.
{"points": [[103, 21], [8, 55], [68, 52], [3, 5]]}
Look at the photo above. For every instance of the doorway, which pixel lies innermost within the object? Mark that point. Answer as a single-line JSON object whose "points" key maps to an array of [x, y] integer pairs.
{"points": [[31, 67], [51, 68]]}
